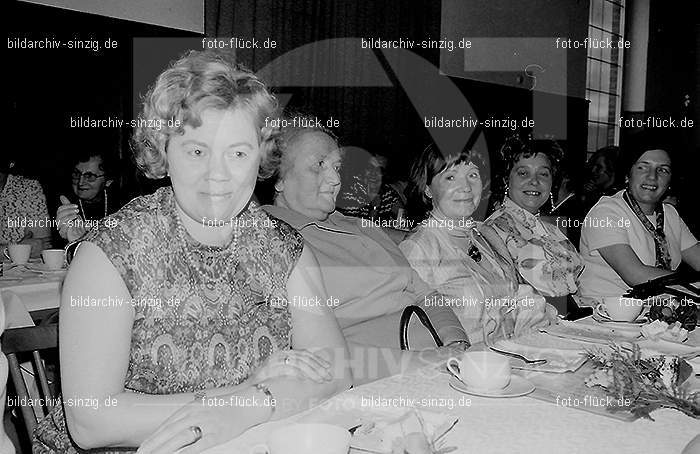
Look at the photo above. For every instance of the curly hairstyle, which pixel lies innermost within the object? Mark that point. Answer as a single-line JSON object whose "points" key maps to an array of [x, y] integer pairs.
{"points": [[292, 127], [430, 163], [516, 148], [199, 80]]}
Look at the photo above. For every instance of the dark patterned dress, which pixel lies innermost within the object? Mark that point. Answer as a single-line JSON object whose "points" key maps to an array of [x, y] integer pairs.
{"points": [[205, 317]]}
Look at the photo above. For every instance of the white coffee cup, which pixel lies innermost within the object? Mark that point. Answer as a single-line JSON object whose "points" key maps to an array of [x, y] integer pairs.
{"points": [[619, 308], [18, 253], [307, 439], [53, 258], [481, 370]]}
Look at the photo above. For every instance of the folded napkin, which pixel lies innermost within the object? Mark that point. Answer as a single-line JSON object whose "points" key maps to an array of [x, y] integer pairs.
{"points": [[16, 314], [44, 294]]}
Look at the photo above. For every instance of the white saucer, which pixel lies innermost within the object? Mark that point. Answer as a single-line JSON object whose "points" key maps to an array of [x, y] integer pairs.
{"points": [[600, 318], [517, 387], [41, 268]]}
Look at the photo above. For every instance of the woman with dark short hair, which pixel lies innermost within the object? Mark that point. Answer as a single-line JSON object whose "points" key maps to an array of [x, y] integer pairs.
{"points": [[632, 236], [543, 256]]}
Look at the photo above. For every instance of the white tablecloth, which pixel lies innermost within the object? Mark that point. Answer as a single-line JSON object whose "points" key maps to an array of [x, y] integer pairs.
{"points": [[36, 291], [514, 425]]}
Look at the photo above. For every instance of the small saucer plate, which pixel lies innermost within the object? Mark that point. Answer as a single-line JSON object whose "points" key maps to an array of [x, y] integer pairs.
{"points": [[517, 387], [42, 268], [600, 318]]}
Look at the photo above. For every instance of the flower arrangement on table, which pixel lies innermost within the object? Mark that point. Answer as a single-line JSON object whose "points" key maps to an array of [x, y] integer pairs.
{"points": [[644, 383], [674, 312]]}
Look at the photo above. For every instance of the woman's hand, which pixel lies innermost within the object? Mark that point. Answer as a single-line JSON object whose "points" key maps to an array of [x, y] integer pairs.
{"points": [[498, 320], [294, 363], [66, 217], [196, 426]]}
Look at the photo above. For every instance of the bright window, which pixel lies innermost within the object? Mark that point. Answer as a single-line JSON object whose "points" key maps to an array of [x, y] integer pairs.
{"points": [[604, 78]]}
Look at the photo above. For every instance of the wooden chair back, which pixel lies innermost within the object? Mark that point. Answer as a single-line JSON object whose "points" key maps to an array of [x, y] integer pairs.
{"points": [[30, 340]]}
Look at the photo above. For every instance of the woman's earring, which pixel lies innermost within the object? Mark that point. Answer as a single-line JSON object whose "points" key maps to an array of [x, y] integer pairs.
{"points": [[505, 193], [427, 193], [551, 198]]}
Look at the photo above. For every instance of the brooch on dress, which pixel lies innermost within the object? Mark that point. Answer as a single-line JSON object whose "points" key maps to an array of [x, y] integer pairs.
{"points": [[474, 253]]}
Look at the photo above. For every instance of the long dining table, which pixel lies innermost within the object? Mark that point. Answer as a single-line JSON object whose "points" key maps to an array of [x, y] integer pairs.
{"points": [[549, 420], [555, 418]]}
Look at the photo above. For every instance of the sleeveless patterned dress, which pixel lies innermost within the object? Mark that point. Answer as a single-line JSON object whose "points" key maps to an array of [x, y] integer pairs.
{"points": [[205, 317]]}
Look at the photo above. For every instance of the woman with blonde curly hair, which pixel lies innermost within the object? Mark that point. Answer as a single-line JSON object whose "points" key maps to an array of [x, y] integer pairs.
{"points": [[175, 311]]}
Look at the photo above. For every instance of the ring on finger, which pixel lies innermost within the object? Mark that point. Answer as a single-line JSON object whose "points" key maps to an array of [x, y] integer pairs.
{"points": [[287, 360], [197, 431]]}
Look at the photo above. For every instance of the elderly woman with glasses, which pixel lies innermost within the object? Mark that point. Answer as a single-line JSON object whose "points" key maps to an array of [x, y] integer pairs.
{"points": [[632, 236], [91, 178], [450, 251], [184, 316], [370, 281]]}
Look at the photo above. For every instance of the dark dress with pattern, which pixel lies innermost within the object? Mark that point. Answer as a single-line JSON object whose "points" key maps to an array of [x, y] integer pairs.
{"points": [[205, 317]]}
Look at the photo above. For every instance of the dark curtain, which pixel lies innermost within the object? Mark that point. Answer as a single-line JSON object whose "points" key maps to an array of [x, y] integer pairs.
{"points": [[335, 78], [379, 97]]}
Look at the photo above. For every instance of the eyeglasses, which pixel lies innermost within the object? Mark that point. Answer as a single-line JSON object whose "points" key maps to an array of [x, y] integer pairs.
{"points": [[89, 176]]}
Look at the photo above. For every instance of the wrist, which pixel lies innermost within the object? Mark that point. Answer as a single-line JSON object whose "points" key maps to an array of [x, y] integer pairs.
{"points": [[269, 402], [459, 342]]}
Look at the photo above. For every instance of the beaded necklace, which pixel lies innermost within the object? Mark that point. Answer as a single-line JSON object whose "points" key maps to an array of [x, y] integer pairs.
{"points": [[217, 268], [82, 210]]}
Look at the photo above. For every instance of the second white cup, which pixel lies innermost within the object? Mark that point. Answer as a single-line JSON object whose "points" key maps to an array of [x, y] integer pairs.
{"points": [[18, 253], [620, 309], [481, 370], [53, 258]]}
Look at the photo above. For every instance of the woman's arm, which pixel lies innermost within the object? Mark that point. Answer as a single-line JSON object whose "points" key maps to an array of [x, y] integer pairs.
{"points": [[315, 329], [691, 256], [94, 353], [622, 259], [423, 282]]}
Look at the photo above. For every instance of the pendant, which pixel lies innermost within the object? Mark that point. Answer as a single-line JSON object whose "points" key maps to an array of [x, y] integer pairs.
{"points": [[474, 253]]}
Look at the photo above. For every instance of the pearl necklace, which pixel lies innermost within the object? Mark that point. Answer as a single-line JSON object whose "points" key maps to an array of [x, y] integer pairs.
{"points": [[80, 202], [207, 278]]}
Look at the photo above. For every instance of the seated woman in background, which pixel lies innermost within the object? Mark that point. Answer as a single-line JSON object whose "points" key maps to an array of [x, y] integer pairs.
{"points": [[23, 213], [449, 252], [365, 273], [543, 256], [192, 285], [91, 178], [632, 237], [602, 176]]}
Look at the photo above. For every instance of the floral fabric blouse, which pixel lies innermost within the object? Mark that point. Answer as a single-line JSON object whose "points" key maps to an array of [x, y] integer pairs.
{"points": [[205, 317], [468, 281], [544, 257], [22, 202]]}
